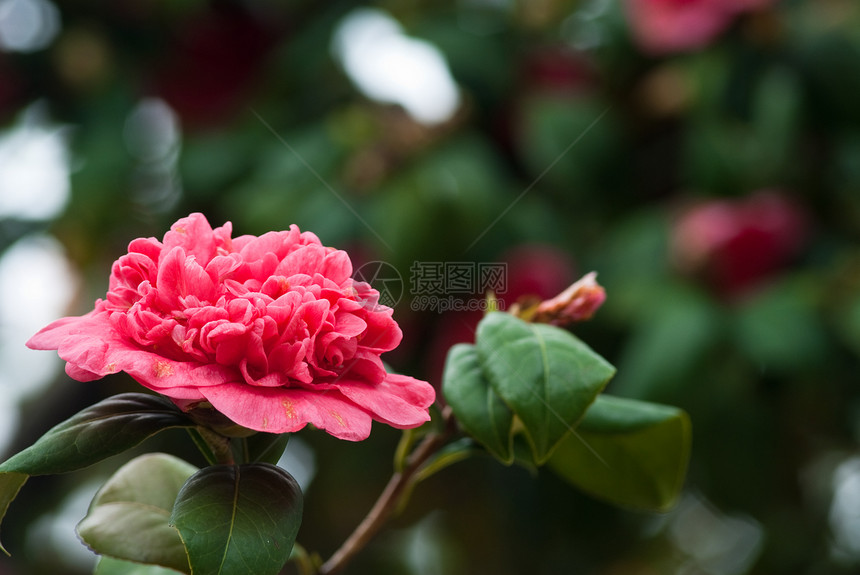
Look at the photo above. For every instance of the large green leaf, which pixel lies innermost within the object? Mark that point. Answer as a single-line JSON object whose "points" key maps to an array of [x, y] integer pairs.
{"points": [[238, 518], [93, 434], [628, 452], [546, 375], [111, 566], [99, 431], [480, 411], [129, 516]]}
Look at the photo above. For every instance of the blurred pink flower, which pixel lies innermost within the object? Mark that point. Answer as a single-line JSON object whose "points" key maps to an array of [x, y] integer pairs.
{"points": [[668, 26], [271, 331], [737, 243]]}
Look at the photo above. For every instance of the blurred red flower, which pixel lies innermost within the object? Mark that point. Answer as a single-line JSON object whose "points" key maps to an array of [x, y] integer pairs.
{"points": [[736, 244]]}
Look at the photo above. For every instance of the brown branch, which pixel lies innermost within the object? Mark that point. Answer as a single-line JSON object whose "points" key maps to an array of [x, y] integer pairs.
{"points": [[388, 500]]}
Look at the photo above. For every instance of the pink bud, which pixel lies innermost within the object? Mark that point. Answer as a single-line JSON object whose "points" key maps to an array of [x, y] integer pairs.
{"points": [[577, 303]]}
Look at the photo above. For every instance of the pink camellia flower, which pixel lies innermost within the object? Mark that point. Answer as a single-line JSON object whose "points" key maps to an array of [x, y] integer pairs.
{"points": [[271, 331], [668, 26]]}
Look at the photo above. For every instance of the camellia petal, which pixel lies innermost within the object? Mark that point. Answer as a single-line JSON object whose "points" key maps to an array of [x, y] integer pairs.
{"points": [[399, 401], [287, 409], [271, 330]]}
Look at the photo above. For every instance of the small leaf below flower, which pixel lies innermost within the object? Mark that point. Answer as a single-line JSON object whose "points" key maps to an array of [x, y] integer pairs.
{"points": [[128, 518], [239, 518]]}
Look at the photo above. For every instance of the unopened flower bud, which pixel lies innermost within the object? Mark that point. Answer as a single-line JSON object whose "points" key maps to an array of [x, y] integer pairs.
{"points": [[577, 303]]}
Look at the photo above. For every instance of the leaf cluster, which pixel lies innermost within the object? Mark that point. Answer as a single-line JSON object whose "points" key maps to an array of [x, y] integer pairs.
{"points": [[542, 383], [158, 514]]}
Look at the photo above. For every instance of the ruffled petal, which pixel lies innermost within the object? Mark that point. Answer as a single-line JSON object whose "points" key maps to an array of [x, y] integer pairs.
{"points": [[194, 235]]}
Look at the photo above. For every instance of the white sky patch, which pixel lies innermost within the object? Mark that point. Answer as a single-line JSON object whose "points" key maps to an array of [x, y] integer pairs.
{"points": [[10, 417], [34, 168], [151, 131], [845, 511], [153, 137], [390, 67], [586, 28], [37, 284], [712, 541], [28, 25], [299, 460]]}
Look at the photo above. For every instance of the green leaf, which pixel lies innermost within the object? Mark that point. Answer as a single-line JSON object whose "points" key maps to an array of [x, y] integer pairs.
{"points": [[129, 516], [99, 431], [267, 447], [479, 410], [10, 485], [628, 452], [546, 375], [111, 566], [95, 433], [238, 518]]}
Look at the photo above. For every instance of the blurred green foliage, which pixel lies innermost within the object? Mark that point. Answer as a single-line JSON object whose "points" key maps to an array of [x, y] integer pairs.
{"points": [[568, 140]]}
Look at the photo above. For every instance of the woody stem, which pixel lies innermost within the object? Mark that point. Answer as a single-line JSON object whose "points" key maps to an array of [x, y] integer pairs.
{"points": [[388, 500]]}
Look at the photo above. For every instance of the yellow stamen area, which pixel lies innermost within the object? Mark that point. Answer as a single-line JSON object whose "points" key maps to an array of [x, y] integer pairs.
{"points": [[162, 368], [338, 417], [289, 409], [265, 423]]}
